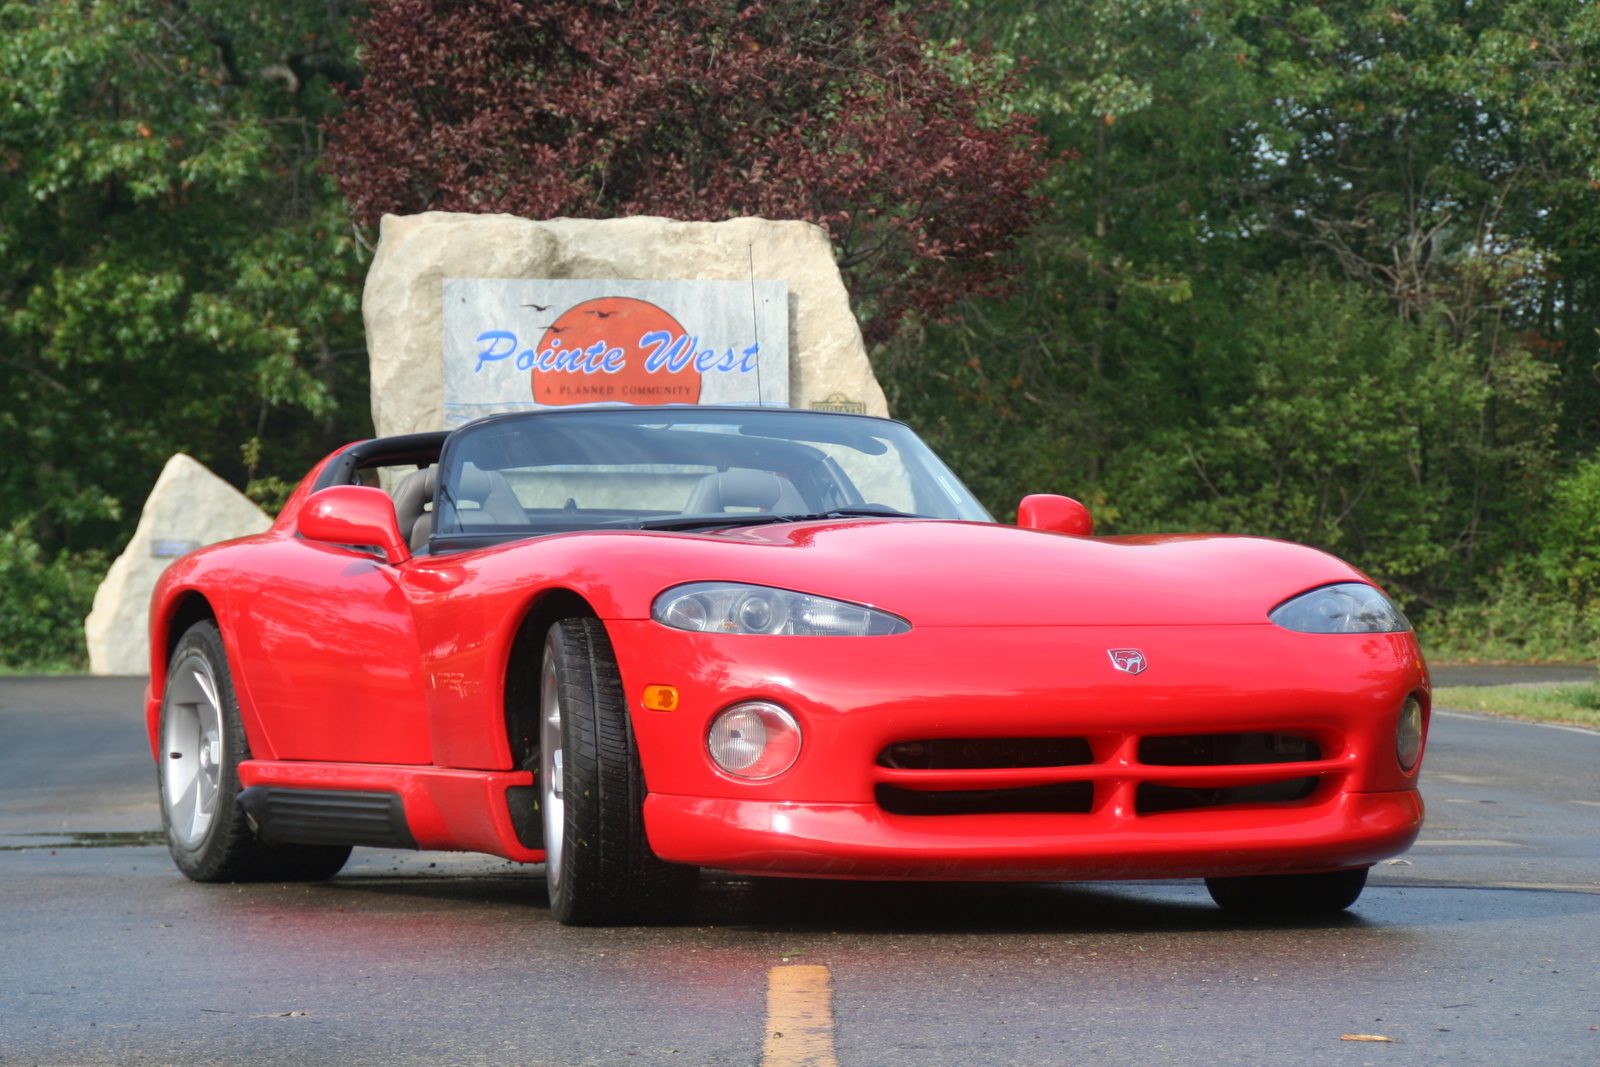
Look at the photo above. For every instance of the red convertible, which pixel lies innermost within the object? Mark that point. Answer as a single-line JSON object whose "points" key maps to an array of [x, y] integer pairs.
{"points": [[631, 642]]}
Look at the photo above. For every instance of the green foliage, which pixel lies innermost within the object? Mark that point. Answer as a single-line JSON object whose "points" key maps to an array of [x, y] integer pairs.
{"points": [[176, 272], [1322, 269], [45, 601], [1512, 617], [1347, 428], [1568, 557], [1543, 603]]}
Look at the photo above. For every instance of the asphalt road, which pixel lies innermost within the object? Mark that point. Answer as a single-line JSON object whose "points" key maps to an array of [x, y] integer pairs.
{"points": [[1480, 946], [1508, 674]]}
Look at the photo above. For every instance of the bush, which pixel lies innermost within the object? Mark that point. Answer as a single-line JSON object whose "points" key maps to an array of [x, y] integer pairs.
{"points": [[1569, 554], [1518, 618], [1545, 603], [44, 604]]}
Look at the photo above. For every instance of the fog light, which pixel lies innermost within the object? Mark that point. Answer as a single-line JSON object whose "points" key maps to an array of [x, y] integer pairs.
{"points": [[1408, 734], [754, 740]]}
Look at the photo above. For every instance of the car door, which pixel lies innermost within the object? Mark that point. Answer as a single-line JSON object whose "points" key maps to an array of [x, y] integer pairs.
{"points": [[325, 646]]}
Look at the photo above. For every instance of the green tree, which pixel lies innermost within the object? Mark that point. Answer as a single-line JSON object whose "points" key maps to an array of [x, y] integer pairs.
{"points": [[1568, 555], [176, 274], [1307, 275]]}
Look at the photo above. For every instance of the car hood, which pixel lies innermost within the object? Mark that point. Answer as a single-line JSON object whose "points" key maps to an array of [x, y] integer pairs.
{"points": [[937, 573]]}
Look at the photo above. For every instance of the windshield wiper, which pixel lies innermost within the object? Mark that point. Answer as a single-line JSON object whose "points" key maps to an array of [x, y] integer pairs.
{"points": [[852, 511], [690, 522], [763, 518]]}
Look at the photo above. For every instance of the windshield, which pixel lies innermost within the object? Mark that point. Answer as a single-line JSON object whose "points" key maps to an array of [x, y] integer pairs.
{"points": [[685, 468]]}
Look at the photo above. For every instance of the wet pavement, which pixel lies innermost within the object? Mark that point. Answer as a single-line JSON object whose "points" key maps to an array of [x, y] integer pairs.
{"points": [[1480, 946]]}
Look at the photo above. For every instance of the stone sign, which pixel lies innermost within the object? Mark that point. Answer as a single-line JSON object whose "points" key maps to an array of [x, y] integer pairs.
{"points": [[740, 311], [516, 345], [189, 507], [409, 329]]}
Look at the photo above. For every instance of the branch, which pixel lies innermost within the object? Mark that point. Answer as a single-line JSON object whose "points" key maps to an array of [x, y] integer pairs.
{"points": [[30, 369]]}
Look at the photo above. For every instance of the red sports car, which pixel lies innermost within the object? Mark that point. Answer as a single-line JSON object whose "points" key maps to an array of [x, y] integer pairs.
{"points": [[630, 642]]}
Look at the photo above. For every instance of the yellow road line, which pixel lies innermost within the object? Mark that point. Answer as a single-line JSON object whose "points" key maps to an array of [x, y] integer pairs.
{"points": [[799, 1018]]}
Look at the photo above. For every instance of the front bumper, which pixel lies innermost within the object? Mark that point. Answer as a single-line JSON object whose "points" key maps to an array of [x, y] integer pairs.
{"points": [[862, 841], [854, 696]]}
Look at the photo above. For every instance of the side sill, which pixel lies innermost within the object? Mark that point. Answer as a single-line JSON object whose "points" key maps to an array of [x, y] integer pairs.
{"points": [[281, 816], [442, 807]]}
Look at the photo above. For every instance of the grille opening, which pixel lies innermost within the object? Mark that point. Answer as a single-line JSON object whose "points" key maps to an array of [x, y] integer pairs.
{"points": [[1226, 750], [986, 753], [1156, 799], [1062, 797]]}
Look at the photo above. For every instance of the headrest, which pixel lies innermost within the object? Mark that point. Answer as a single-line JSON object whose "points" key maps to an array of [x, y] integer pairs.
{"points": [[476, 484], [748, 489]]}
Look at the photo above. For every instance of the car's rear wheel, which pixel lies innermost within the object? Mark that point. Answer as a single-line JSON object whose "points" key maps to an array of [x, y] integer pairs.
{"points": [[591, 788], [202, 744], [1288, 894]]}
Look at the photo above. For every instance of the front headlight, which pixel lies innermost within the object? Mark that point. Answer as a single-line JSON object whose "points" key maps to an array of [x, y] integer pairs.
{"points": [[736, 608], [1346, 608]]}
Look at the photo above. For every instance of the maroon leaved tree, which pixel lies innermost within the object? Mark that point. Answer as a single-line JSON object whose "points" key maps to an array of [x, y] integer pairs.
{"points": [[834, 111]]}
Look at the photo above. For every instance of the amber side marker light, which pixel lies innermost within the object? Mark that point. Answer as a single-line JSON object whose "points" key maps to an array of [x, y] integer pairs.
{"points": [[660, 698]]}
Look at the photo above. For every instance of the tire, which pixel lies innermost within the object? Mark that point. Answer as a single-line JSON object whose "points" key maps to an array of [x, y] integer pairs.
{"points": [[598, 862], [202, 744], [1287, 895]]}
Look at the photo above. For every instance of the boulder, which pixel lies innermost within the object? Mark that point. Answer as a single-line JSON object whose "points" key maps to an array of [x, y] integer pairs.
{"points": [[189, 507], [403, 304]]}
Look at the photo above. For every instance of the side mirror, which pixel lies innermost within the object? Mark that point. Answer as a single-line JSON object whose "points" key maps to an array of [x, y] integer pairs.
{"points": [[353, 515], [1057, 514]]}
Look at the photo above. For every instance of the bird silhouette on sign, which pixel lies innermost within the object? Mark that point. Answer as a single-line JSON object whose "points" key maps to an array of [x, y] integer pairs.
{"points": [[600, 314], [538, 307]]}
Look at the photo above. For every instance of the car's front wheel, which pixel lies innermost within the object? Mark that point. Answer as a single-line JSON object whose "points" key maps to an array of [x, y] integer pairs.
{"points": [[202, 745], [598, 862], [1286, 895]]}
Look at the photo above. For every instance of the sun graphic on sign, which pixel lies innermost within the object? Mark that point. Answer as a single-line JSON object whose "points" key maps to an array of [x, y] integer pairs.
{"points": [[604, 359]]}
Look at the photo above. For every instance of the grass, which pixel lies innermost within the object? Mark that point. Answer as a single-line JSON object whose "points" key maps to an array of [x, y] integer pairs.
{"points": [[1575, 704]]}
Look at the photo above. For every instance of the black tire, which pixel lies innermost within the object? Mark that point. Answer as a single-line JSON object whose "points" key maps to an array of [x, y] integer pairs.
{"points": [[603, 872], [210, 839], [1288, 895]]}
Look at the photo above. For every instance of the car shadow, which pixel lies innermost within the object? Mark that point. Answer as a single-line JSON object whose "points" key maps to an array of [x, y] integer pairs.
{"points": [[810, 905], [961, 907]]}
